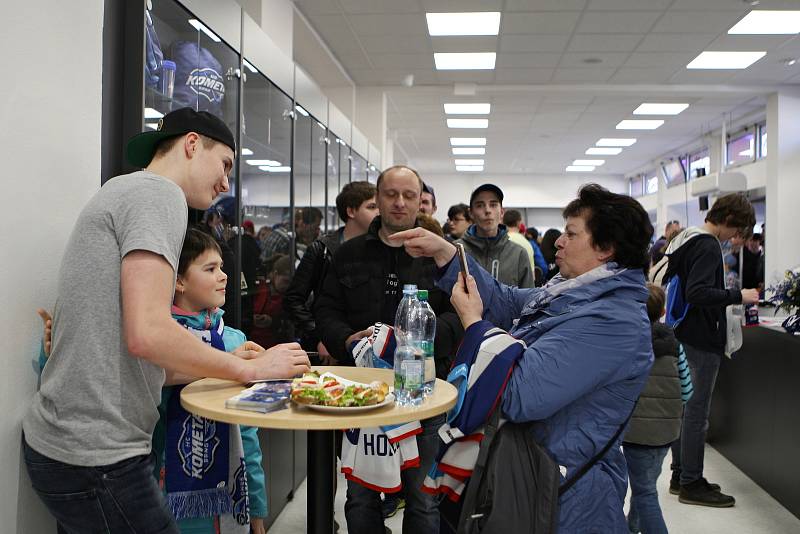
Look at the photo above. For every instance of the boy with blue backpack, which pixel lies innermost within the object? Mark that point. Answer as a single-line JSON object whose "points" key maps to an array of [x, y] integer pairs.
{"points": [[697, 299]]}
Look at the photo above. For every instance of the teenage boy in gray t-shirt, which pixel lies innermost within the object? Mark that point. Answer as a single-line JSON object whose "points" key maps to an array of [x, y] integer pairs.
{"points": [[88, 433]]}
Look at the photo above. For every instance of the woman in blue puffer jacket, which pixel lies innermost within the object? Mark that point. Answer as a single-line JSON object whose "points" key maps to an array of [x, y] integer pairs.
{"points": [[589, 347]]}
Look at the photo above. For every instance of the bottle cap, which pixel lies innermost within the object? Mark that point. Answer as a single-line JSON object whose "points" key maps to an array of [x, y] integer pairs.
{"points": [[409, 289], [422, 294]]}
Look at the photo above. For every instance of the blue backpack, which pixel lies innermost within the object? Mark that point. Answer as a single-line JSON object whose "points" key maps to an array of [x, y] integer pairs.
{"points": [[677, 305]]}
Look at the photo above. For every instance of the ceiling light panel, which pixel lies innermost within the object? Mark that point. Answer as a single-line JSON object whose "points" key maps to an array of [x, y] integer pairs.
{"points": [[484, 23], [467, 123], [765, 22], [469, 168], [615, 141], [637, 124], [603, 151], [469, 151], [469, 162], [467, 141], [464, 60], [590, 162], [467, 109], [659, 109], [725, 60], [579, 168]]}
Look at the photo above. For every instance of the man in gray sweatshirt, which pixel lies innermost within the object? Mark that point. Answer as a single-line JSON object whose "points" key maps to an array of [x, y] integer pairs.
{"points": [[487, 239]]}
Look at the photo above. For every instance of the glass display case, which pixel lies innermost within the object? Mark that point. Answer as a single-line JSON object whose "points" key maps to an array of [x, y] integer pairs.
{"points": [[187, 65], [332, 179], [358, 167], [319, 168], [266, 175], [372, 173], [283, 186], [344, 163]]}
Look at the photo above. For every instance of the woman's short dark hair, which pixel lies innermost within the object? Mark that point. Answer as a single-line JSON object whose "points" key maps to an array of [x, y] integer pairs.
{"points": [[616, 222], [195, 244], [353, 195], [733, 211]]}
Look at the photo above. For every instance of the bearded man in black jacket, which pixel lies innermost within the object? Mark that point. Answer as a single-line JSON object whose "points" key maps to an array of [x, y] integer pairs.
{"points": [[364, 286], [357, 207]]}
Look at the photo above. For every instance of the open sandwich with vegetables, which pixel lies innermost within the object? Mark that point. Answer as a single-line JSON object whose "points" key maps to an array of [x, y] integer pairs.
{"points": [[327, 390]]}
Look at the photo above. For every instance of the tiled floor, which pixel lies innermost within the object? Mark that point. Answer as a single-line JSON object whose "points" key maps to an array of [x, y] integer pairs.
{"points": [[755, 511]]}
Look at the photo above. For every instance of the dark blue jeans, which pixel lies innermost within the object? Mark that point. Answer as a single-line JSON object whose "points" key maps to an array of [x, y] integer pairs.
{"points": [[689, 451], [122, 498], [644, 467], [421, 515]]}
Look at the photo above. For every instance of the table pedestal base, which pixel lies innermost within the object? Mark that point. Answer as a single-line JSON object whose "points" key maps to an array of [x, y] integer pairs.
{"points": [[321, 481]]}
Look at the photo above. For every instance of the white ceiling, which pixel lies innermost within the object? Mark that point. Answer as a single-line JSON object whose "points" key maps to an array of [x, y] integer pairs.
{"points": [[548, 104]]}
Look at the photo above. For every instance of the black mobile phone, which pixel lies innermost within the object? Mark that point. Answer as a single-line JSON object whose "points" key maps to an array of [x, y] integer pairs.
{"points": [[462, 259]]}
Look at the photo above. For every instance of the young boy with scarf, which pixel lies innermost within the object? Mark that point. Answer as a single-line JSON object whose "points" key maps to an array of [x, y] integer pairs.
{"points": [[210, 471]]}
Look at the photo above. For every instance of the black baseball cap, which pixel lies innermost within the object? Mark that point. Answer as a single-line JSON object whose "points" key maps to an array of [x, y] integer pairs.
{"points": [[486, 187], [428, 189], [141, 147]]}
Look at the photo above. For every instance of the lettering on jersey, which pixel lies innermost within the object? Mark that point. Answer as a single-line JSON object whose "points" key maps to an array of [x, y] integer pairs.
{"points": [[208, 83], [378, 445], [197, 446]]}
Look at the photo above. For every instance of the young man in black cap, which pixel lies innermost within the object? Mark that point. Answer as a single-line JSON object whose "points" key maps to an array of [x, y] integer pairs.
{"points": [[87, 435], [487, 239], [427, 200]]}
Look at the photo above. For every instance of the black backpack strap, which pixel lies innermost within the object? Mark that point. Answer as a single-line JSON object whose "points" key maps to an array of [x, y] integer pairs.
{"points": [[471, 495], [588, 465]]}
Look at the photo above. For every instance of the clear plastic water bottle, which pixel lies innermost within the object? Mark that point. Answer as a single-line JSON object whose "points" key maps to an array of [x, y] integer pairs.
{"points": [[425, 324], [409, 366]]}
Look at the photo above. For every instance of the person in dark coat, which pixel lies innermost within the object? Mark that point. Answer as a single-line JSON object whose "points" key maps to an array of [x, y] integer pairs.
{"points": [[364, 286], [357, 208], [589, 350], [697, 262], [656, 421]]}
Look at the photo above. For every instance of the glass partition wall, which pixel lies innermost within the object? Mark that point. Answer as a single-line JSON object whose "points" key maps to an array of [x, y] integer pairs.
{"points": [[358, 167], [278, 169], [283, 187], [187, 65]]}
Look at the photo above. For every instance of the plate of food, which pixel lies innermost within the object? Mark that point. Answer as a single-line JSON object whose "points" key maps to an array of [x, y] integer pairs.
{"points": [[334, 394]]}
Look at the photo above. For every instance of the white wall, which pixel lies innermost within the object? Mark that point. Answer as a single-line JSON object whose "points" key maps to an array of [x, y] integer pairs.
{"points": [[534, 191], [51, 166]]}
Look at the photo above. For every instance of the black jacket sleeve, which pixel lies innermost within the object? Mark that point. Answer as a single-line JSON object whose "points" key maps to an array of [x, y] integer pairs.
{"points": [[329, 314], [306, 279], [704, 277]]}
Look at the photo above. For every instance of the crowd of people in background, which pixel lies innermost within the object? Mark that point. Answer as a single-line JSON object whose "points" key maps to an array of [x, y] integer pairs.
{"points": [[591, 364]]}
